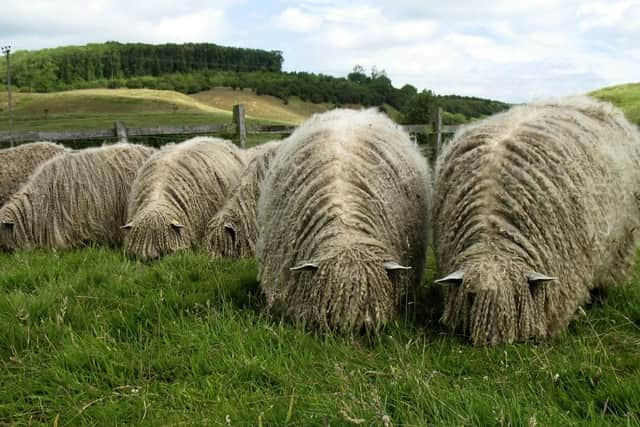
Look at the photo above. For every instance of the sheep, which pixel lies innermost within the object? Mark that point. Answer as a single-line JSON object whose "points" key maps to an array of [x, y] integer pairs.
{"points": [[257, 151], [342, 220], [176, 192], [533, 209], [233, 231], [73, 199], [19, 162]]}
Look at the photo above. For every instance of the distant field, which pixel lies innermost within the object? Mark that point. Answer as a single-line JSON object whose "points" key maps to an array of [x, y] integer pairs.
{"points": [[264, 106], [88, 337], [625, 96], [99, 108]]}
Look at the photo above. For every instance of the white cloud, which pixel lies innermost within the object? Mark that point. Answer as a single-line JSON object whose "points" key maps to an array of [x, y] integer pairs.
{"points": [[202, 26], [517, 51], [609, 14], [37, 24], [505, 49], [294, 19]]}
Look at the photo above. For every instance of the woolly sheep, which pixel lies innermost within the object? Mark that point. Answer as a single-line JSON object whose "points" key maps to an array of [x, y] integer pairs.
{"points": [[342, 216], [176, 192], [19, 162], [533, 208], [73, 199], [257, 151], [233, 231]]}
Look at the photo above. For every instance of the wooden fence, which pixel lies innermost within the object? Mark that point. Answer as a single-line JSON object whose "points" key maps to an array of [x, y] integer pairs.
{"points": [[238, 127]]}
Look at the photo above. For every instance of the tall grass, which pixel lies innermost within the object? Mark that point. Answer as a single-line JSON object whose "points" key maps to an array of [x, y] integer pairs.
{"points": [[89, 337]]}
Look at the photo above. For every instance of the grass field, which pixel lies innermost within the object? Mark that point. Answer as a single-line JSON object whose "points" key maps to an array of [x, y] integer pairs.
{"points": [[100, 108], [89, 337], [625, 96], [263, 106]]}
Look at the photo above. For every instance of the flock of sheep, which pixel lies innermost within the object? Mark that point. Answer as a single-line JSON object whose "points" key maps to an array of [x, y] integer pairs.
{"points": [[530, 210]]}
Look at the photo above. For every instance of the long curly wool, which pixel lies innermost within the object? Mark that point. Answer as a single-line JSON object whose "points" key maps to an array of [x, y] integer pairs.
{"points": [[233, 231], [176, 192], [17, 164], [258, 150], [73, 199], [345, 194], [547, 188]]}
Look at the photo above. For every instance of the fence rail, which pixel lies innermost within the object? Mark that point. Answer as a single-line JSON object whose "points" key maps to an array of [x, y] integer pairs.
{"points": [[119, 131]]}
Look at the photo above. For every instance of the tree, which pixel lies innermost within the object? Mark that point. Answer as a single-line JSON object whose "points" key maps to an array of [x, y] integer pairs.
{"points": [[358, 75], [420, 108]]}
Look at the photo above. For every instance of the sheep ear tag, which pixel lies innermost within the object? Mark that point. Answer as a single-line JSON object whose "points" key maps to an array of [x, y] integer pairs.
{"points": [[176, 225], [8, 224], [539, 278], [393, 266], [126, 226], [307, 266], [454, 278]]}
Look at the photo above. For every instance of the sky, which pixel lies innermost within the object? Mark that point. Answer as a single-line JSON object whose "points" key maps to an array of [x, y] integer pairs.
{"points": [[510, 50]]}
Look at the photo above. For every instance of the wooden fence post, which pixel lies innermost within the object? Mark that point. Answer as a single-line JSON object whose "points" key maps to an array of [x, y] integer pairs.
{"points": [[437, 130], [121, 131], [241, 127]]}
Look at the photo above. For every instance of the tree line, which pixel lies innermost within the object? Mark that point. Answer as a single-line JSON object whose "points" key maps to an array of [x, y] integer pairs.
{"points": [[194, 67], [67, 67]]}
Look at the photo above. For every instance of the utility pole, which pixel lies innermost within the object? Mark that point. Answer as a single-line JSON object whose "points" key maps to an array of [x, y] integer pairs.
{"points": [[7, 51]]}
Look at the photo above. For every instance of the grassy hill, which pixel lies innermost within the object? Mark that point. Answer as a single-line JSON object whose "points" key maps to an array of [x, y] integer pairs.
{"points": [[99, 108], [266, 107], [625, 96]]}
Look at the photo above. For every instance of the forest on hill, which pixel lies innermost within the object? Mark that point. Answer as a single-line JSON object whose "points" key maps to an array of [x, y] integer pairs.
{"points": [[195, 67]]}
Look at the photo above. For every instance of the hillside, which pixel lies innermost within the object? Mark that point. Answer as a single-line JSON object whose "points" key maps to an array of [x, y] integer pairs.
{"points": [[190, 68], [625, 96], [99, 108], [261, 106]]}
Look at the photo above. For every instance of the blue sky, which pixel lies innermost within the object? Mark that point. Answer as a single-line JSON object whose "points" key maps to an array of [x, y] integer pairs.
{"points": [[514, 51]]}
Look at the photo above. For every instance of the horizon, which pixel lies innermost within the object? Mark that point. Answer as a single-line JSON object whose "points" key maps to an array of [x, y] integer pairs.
{"points": [[516, 53]]}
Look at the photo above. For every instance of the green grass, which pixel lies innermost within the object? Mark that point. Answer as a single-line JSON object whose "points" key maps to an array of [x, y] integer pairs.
{"points": [[100, 108], [89, 337], [627, 97]]}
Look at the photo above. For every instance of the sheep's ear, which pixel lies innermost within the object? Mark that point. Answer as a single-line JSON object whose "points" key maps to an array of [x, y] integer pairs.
{"points": [[536, 278], [454, 278], [128, 226], [392, 266], [176, 225], [307, 266], [8, 224]]}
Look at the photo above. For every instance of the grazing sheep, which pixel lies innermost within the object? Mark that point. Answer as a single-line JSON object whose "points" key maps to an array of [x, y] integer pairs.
{"points": [[176, 192], [73, 199], [342, 216], [257, 151], [17, 164], [233, 231], [534, 208]]}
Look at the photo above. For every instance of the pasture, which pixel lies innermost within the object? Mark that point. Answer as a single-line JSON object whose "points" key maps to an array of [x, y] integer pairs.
{"points": [[99, 108], [626, 97], [90, 337]]}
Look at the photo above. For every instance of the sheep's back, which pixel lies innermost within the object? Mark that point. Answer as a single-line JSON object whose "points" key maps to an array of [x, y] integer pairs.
{"points": [[553, 184], [194, 177], [18, 163], [353, 174]]}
